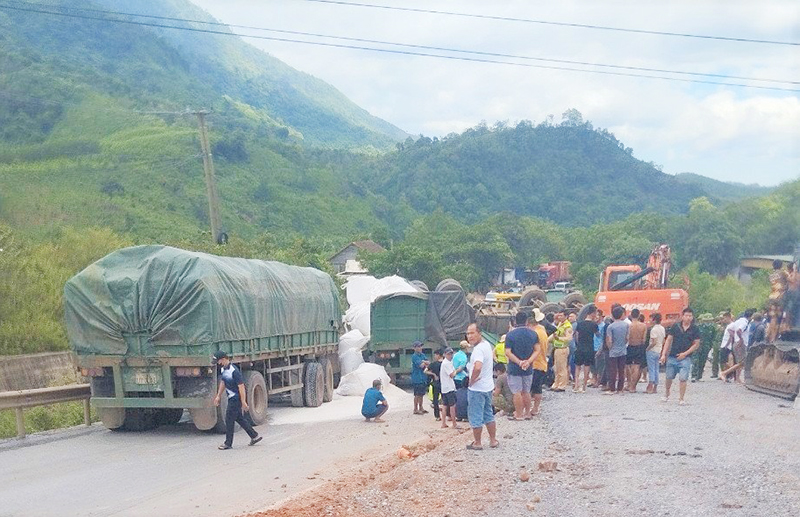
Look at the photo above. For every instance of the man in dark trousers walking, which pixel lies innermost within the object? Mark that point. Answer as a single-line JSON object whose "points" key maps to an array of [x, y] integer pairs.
{"points": [[232, 384]]}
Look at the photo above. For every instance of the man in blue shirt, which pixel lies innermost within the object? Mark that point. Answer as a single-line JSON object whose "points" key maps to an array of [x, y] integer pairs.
{"points": [[460, 361], [418, 378], [232, 384], [374, 405]]}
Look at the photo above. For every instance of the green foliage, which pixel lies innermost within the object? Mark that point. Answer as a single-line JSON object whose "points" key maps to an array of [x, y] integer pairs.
{"points": [[708, 237], [709, 293], [44, 418]]}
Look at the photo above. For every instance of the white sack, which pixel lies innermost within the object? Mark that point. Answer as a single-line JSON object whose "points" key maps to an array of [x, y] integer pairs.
{"points": [[350, 360], [357, 317], [357, 382], [358, 289], [391, 285], [350, 346]]}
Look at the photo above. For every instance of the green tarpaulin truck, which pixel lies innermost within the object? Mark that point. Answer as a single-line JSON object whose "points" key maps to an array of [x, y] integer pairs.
{"points": [[144, 322]]}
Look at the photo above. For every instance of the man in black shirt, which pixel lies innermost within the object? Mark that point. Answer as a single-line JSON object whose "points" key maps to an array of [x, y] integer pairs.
{"points": [[683, 339], [433, 371], [231, 384], [585, 332]]}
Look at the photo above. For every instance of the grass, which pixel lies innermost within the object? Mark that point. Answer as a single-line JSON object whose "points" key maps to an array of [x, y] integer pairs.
{"points": [[44, 418]]}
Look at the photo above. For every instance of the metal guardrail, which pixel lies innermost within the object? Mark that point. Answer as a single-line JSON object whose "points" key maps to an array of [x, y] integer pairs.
{"points": [[19, 400]]}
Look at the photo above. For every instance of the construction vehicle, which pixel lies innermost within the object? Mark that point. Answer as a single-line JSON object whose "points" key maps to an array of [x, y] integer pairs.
{"points": [[644, 289], [494, 313], [145, 321], [774, 368]]}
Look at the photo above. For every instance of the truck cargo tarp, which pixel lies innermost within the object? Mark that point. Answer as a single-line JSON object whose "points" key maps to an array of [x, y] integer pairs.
{"points": [[180, 297], [447, 316]]}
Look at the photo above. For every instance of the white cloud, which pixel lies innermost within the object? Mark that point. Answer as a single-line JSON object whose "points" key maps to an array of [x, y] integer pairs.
{"points": [[721, 132]]}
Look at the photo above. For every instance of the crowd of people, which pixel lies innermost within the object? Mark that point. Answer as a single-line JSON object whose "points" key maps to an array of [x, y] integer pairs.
{"points": [[612, 353]]}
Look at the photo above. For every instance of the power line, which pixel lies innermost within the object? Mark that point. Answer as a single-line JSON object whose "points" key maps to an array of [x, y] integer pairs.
{"points": [[391, 51], [428, 47], [561, 24]]}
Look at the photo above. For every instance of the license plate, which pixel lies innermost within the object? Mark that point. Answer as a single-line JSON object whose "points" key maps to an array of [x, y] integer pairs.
{"points": [[146, 378]]}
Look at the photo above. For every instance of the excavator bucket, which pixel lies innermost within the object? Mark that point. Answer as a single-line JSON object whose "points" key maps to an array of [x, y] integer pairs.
{"points": [[774, 368]]}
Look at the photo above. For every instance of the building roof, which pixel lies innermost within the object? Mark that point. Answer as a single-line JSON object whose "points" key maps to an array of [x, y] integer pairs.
{"points": [[366, 245]]}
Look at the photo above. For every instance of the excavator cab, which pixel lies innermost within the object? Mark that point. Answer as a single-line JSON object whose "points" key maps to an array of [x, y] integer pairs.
{"points": [[613, 275]]}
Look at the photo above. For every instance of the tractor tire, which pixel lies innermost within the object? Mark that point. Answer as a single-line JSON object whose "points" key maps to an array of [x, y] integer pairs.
{"points": [[327, 379], [574, 300], [419, 284], [256, 390], [586, 309], [449, 284], [553, 307], [314, 384], [169, 416], [112, 417], [530, 295]]}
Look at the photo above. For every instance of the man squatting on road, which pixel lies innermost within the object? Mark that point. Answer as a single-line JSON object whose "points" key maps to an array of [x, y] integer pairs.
{"points": [[375, 404], [232, 383]]}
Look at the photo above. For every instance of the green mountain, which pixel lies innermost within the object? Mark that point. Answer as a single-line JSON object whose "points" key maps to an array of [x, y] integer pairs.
{"points": [[723, 190], [569, 173], [52, 62]]}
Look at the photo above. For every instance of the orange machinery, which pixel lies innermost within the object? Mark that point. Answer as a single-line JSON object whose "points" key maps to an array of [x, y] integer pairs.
{"points": [[644, 289]]}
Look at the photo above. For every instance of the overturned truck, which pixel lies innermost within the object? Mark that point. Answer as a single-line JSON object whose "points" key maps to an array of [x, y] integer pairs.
{"points": [[144, 322]]}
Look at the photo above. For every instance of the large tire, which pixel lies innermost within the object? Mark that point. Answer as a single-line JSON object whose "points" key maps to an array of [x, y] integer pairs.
{"points": [[297, 395], [586, 309], [169, 416], [219, 427], [256, 390], [530, 295], [419, 284], [547, 308], [112, 417], [138, 419], [449, 284], [574, 300], [314, 388], [327, 379]]}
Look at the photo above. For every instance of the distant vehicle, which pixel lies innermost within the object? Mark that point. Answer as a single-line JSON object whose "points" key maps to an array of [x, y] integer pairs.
{"points": [[643, 289], [553, 272], [562, 286], [145, 321]]}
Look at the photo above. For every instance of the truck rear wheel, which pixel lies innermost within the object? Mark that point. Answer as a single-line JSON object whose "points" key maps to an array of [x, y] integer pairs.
{"points": [[551, 307], [256, 390], [586, 309], [530, 295], [327, 379], [168, 416], [112, 417], [219, 427], [138, 419], [314, 387]]}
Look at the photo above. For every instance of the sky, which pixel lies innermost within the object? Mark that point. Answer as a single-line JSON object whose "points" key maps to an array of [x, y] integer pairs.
{"points": [[728, 133]]}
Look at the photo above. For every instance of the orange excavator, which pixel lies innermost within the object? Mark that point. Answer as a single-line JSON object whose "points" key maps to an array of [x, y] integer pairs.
{"points": [[644, 289]]}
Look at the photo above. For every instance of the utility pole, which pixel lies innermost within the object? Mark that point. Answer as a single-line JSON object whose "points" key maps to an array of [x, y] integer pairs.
{"points": [[211, 183]]}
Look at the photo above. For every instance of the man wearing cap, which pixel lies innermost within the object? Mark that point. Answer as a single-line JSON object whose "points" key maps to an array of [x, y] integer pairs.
{"points": [[418, 378], [232, 383]]}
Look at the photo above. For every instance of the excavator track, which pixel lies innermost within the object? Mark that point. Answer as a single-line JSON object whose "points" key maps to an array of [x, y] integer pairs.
{"points": [[774, 369]]}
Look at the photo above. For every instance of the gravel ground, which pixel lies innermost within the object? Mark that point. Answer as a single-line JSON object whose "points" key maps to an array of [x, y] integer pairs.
{"points": [[728, 452]]}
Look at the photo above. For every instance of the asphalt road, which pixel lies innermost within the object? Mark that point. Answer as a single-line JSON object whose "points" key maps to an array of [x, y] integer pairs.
{"points": [[178, 471]]}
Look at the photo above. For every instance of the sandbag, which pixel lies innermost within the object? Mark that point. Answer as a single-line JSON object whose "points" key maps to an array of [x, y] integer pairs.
{"points": [[357, 317], [358, 289], [356, 383]]}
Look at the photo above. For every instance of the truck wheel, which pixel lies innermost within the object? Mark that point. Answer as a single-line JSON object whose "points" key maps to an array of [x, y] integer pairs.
{"points": [[551, 307], [140, 419], [574, 300], [219, 427], [112, 417], [256, 390], [531, 294], [204, 418], [168, 416], [327, 379], [314, 388], [297, 395], [586, 309]]}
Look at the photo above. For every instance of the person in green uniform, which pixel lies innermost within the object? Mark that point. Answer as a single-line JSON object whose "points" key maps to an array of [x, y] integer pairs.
{"points": [[708, 333], [722, 322]]}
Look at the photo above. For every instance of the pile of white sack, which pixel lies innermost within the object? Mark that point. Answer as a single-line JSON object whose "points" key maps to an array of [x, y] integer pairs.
{"points": [[361, 291], [358, 381]]}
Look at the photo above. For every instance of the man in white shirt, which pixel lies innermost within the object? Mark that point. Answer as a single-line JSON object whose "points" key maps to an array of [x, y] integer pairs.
{"points": [[447, 375], [738, 334], [481, 386], [726, 345]]}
